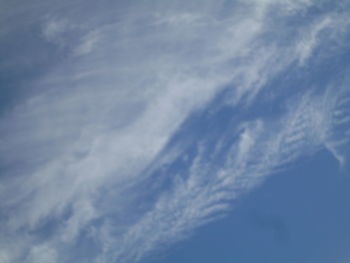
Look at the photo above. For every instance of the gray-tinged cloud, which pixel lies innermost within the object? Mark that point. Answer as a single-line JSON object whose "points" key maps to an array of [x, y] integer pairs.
{"points": [[125, 77]]}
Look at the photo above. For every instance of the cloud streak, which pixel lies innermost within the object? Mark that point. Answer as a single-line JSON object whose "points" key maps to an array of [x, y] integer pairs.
{"points": [[93, 127], [205, 192]]}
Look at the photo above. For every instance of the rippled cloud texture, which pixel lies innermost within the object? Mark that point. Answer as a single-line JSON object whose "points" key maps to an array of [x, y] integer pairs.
{"points": [[126, 125]]}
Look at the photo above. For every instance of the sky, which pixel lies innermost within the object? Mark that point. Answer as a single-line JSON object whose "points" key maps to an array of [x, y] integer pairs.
{"points": [[174, 131]]}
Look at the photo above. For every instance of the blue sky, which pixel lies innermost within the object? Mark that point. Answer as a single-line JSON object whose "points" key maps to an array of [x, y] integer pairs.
{"points": [[174, 131]]}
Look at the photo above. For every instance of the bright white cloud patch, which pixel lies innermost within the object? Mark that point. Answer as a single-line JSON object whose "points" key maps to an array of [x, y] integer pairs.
{"points": [[99, 122]]}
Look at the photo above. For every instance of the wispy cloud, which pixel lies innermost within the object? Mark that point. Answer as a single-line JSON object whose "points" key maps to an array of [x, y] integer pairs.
{"points": [[205, 191], [332, 24], [83, 141]]}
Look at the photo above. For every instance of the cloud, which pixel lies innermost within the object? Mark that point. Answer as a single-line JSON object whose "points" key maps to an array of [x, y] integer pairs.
{"points": [[333, 24], [77, 148], [42, 254], [54, 28], [203, 192], [338, 138], [88, 44]]}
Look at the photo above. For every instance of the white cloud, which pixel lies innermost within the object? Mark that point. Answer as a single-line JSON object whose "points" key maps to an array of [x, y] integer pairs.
{"points": [[338, 138], [97, 120], [333, 24], [204, 193]]}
